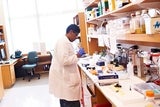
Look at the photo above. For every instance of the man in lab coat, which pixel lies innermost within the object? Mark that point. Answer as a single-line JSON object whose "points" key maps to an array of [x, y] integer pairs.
{"points": [[64, 76]]}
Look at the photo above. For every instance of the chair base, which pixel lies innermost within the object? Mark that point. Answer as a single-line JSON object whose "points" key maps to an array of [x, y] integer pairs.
{"points": [[31, 75]]}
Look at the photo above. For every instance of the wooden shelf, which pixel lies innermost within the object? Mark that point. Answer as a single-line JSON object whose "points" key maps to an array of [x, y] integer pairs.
{"points": [[140, 39], [92, 36], [3, 44], [44, 63], [41, 72], [127, 10], [92, 3]]}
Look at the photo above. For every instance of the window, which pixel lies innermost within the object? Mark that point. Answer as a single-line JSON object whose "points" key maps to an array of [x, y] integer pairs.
{"points": [[35, 21]]}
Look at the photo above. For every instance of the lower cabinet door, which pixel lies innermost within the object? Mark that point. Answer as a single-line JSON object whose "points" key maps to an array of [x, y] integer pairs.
{"points": [[8, 75], [1, 86]]}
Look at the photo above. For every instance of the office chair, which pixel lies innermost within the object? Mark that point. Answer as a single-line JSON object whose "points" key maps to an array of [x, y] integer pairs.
{"points": [[30, 64]]}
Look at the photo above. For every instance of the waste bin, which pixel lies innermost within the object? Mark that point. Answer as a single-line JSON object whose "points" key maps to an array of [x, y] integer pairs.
{"points": [[102, 105]]}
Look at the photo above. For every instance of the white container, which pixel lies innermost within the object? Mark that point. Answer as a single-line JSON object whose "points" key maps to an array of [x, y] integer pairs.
{"points": [[152, 25], [130, 70], [153, 13]]}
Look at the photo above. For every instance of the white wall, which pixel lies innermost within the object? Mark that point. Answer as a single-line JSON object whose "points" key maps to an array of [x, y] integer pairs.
{"points": [[1, 13]]}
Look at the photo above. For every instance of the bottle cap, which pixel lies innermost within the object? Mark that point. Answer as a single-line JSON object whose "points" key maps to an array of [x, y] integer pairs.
{"points": [[149, 93], [144, 11], [133, 15], [138, 13]]}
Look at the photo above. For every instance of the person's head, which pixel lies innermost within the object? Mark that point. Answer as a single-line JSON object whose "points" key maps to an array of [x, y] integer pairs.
{"points": [[72, 32]]}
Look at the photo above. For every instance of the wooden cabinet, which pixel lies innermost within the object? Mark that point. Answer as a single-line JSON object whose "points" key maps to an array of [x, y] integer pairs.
{"points": [[3, 45], [89, 46], [1, 85], [43, 65], [8, 75], [138, 39], [79, 20], [44, 62], [91, 93]]}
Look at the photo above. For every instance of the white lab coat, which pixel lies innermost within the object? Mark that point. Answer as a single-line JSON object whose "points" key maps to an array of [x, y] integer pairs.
{"points": [[64, 76]]}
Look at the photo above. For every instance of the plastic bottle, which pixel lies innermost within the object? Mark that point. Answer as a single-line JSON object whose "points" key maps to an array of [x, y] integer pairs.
{"points": [[121, 3], [137, 25], [132, 29], [142, 21], [130, 68], [111, 4], [100, 8], [105, 6], [149, 98]]}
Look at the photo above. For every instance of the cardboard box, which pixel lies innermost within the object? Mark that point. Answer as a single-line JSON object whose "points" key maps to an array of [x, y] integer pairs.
{"points": [[152, 25]]}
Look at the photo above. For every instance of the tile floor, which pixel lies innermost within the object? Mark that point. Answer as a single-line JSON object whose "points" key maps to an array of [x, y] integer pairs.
{"points": [[29, 94]]}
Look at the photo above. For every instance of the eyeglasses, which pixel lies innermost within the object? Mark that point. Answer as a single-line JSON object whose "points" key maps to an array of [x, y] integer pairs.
{"points": [[75, 33]]}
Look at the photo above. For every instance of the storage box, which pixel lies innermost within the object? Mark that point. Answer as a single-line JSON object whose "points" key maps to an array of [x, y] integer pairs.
{"points": [[152, 25]]}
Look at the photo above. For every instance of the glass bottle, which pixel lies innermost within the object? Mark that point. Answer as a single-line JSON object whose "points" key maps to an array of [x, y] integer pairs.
{"points": [[149, 100]]}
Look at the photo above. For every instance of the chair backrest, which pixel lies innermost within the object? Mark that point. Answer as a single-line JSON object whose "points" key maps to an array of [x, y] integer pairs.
{"points": [[32, 57]]}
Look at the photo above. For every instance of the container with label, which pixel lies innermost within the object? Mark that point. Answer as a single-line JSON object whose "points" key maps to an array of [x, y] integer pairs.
{"points": [[149, 100], [111, 4], [152, 25]]}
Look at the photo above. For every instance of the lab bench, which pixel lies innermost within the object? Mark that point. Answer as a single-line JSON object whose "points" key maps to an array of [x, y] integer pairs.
{"points": [[108, 94]]}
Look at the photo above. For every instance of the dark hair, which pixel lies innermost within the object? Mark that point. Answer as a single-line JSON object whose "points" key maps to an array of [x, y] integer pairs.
{"points": [[73, 27]]}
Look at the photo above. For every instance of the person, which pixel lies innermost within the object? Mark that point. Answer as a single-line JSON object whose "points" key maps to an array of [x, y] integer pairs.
{"points": [[64, 75]]}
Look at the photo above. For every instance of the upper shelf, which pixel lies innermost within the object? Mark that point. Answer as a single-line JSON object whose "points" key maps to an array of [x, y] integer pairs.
{"points": [[92, 3], [126, 10], [140, 39]]}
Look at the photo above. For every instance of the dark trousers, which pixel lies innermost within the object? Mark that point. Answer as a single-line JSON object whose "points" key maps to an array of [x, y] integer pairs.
{"points": [[65, 103]]}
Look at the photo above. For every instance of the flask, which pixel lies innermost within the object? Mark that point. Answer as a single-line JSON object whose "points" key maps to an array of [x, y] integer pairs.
{"points": [[149, 98]]}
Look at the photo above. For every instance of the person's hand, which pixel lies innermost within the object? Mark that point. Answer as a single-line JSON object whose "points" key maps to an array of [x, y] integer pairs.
{"points": [[81, 52]]}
